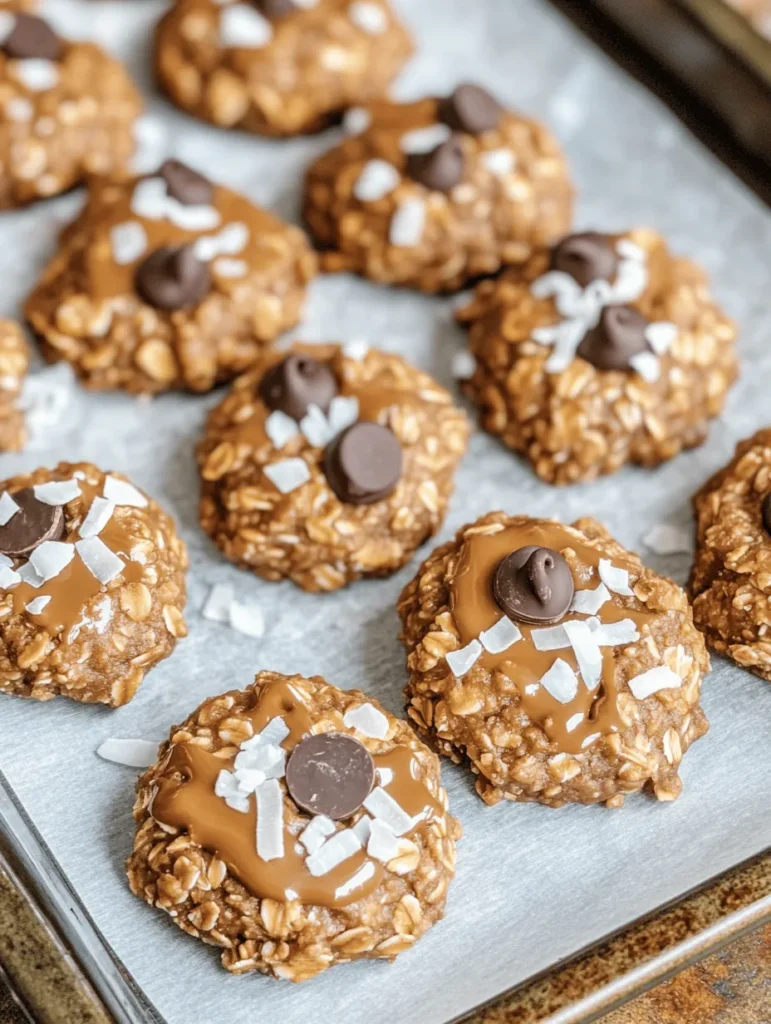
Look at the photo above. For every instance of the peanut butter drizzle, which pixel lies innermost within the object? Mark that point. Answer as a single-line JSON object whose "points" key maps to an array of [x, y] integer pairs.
{"points": [[104, 278], [76, 585], [474, 609], [191, 805]]}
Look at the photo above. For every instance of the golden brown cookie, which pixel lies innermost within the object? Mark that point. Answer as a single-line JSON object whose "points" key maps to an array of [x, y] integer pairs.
{"points": [[67, 111], [434, 194], [327, 463], [553, 662], [277, 67], [169, 281], [92, 585], [294, 826], [602, 350], [14, 363], [731, 579]]}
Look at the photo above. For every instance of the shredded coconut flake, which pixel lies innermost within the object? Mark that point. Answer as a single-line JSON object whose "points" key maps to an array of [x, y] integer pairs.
{"points": [[336, 849], [288, 475], [314, 426], [615, 634], [355, 349], [280, 428], [343, 413], [217, 606], [50, 558], [553, 638], [369, 17], [98, 517], [423, 140], [365, 872], [367, 720], [226, 787], [382, 805], [241, 26], [376, 180], [121, 492], [382, 844], [10, 578], [227, 267], [499, 162], [655, 679], [356, 121], [247, 619], [464, 365], [647, 365], [661, 335], [615, 578], [589, 602], [363, 829], [316, 831], [57, 492], [37, 74], [462, 661], [270, 820], [100, 560], [132, 753], [129, 242], [38, 605], [8, 508], [407, 223], [561, 682], [501, 636], [587, 652]]}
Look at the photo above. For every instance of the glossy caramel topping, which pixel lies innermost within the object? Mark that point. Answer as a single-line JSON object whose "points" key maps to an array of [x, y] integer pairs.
{"points": [[185, 799], [591, 714]]}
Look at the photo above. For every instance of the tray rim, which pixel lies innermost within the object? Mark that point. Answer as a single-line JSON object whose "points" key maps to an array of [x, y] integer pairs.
{"points": [[734, 31]]}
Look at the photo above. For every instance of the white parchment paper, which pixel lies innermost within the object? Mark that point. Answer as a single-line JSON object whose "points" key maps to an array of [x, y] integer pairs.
{"points": [[533, 884]]}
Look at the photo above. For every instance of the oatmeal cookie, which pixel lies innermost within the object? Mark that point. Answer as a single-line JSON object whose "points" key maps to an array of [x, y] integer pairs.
{"points": [[169, 281], [277, 67], [433, 194], [603, 350], [67, 111], [14, 363], [554, 662], [329, 464], [92, 585], [731, 579], [344, 852]]}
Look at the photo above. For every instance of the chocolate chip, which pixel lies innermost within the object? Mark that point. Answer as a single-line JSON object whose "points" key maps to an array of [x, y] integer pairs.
{"points": [[618, 336], [471, 109], [331, 774], [440, 169], [296, 383], [173, 278], [34, 523], [186, 185], [767, 513], [587, 257], [32, 38], [534, 585], [363, 464], [275, 8]]}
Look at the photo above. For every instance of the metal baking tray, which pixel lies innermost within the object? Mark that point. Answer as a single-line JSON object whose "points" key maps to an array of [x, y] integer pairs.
{"points": [[662, 885]]}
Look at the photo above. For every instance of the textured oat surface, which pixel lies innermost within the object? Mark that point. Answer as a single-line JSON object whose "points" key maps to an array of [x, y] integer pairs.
{"points": [[318, 62], [291, 940], [481, 718], [309, 535], [123, 628], [489, 218], [85, 308], [582, 422], [14, 362], [731, 578]]}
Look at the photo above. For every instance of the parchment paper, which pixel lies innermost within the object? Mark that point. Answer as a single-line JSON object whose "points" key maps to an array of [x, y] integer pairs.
{"points": [[533, 885]]}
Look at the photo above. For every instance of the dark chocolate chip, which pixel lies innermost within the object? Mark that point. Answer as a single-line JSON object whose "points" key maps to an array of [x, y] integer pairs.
{"points": [[440, 169], [618, 336], [534, 585], [186, 185], [364, 463], [296, 383], [34, 523], [767, 513], [331, 774], [587, 257], [471, 109], [275, 8], [32, 38], [173, 278]]}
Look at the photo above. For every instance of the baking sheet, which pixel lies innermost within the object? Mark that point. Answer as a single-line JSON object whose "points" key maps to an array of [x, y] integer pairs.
{"points": [[533, 885]]}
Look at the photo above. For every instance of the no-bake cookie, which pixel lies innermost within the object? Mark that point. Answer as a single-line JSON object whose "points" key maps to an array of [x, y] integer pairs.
{"points": [[67, 111], [169, 281], [602, 350], [553, 662], [436, 193], [326, 464], [278, 67], [731, 579], [294, 826], [92, 585], [14, 363]]}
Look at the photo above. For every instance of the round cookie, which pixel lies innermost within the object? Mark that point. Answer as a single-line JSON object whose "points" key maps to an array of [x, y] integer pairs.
{"points": [[14, 363], [603, 350], [578, 707], [731, 578], [237, 844], [92, 585], [436, 193], [67, 112], [326, 464], [169, 281], [277, 67]]}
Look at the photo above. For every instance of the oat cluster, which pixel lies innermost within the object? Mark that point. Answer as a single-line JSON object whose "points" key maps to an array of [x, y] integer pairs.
{"points": [[478, 719], [123, 631], [289, 940], [14, 362], [582, 422], [731, 579], [308, 535], [295, 76]]}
